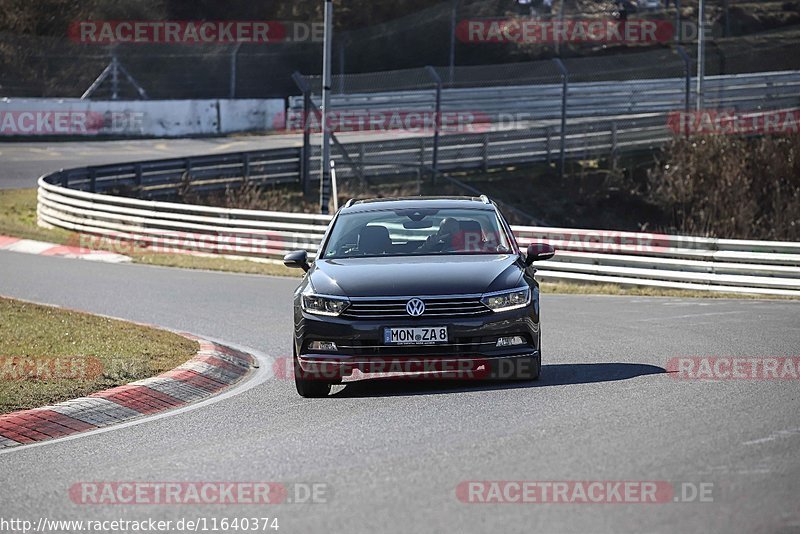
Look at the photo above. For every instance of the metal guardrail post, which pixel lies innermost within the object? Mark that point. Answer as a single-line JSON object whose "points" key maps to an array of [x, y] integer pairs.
{"points": [[245, 167], [92, 180], [564, 88], [188, 170], [137, 175], [437, 120]]}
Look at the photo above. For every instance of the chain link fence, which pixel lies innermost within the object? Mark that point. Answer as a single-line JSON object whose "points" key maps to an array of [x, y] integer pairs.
{"points": [[61, 65], [429, 121]]}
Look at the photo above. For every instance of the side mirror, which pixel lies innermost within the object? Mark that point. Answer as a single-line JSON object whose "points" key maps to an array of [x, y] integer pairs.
{"points": [[297, 258], [538, 252]]}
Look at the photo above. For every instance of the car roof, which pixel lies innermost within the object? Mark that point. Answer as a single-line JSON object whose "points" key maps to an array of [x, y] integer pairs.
{"points": [[481, 203]]}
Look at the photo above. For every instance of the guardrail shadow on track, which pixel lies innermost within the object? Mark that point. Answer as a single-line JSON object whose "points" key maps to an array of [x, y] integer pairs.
{"points": [[560, 374]]}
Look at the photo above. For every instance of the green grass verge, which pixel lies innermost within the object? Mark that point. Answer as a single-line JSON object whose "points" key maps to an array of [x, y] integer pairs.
{"points": [[568, 288], [18, 218], [50, 354]]}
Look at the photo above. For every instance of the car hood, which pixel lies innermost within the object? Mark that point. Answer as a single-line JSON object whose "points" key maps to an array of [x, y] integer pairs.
{"points": [[417, 276]]}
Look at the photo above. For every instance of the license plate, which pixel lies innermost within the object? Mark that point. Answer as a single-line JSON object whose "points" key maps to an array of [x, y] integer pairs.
{"points": [[416, 335]]}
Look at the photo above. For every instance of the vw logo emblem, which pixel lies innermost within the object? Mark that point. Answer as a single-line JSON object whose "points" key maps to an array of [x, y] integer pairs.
{"points": [[415, 307]]}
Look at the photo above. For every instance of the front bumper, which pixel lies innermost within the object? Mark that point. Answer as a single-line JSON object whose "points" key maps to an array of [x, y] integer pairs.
{"points": [[471, 351]]}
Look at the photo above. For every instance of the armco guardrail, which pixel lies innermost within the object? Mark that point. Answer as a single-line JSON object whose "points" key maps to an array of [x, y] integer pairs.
{"points": [[736, 266], [402, 154], [387, 155], [586, 99]]}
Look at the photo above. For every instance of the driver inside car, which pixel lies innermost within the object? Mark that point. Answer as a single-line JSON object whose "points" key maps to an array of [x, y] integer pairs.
{"points": [[443, 239]]}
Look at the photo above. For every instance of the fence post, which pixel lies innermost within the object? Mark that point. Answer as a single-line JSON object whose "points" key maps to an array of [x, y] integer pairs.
{"points": [[547, 144], [92, 180], [687, 90], [305, 153], [614, 145], [114, 78], [437, 120], [305, 164], [485, 152], [687, 69], [564, 88], [452, 62], [362, 177], [137, 169], [232, 89]]}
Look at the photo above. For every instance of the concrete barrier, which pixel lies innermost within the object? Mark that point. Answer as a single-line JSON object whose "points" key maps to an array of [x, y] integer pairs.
{"points": [[30, 117]]}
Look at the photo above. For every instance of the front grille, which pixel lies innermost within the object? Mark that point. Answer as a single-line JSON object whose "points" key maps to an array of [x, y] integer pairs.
{"points": [[382, 308], [462, 346]]}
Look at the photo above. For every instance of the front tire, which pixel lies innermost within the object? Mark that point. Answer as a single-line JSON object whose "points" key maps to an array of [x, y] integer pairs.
{"points": [[310, 389]]}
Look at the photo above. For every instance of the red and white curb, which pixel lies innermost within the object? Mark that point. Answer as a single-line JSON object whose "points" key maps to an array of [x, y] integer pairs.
{"points": [[29, 246], [214, 368]]}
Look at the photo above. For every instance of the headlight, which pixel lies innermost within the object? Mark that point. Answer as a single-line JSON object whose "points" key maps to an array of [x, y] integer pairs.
{"points": [[507, 300], [323, 305]]}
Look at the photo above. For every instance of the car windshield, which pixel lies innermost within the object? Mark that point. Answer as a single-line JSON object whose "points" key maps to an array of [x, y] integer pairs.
{"points": [[416, 232]]}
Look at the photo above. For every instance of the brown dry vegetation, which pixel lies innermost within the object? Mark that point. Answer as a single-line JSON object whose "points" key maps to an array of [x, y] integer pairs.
{"points": [[731, 187]]}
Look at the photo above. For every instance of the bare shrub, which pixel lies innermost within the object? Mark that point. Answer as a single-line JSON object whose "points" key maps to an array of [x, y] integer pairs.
{"points": [[731, 187]]}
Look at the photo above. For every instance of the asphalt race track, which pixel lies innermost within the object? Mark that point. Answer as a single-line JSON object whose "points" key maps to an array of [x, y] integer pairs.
{"points": [[21, 163], [392, 452]]}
